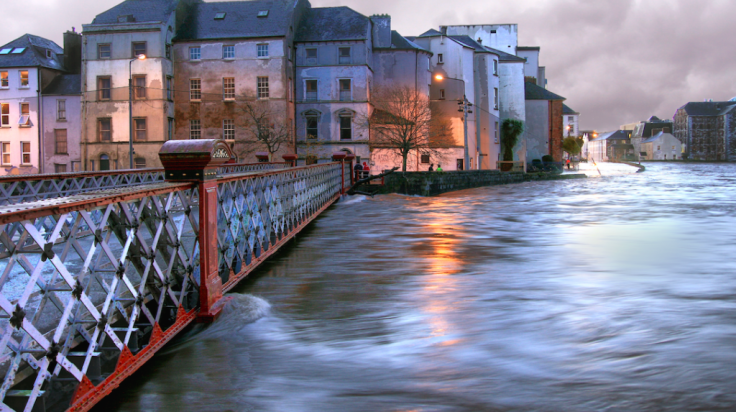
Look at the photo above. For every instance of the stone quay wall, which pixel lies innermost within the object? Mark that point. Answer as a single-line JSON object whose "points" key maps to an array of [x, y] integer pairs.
{"points": [[435, 183]]}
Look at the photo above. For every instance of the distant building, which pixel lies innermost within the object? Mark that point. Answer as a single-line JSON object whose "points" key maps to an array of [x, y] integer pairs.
{"points": [[570, 122], [661, 146], [544, 123], [645, 129], [611, 146], [62, 124], [532, 70], [708, 129], [28, 65], [587, 136]]}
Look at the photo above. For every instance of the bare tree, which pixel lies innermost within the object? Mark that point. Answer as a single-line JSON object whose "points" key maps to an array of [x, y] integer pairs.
{"points": [[401, 122], [268, 130]]}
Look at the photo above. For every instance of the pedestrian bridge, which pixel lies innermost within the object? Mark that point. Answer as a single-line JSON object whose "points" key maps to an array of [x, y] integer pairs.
{"points": [[99, 270]]}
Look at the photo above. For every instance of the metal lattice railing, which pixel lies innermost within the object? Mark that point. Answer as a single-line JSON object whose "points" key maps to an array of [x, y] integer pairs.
{"points": [[93, 284]]}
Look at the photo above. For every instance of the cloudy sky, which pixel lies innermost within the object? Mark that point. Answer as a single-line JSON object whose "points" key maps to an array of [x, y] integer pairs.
{"points": [[616, 61]]}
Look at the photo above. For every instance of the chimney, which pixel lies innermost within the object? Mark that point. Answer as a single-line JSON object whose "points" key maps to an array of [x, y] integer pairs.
{"points": [[73, 52], [381, 30]]}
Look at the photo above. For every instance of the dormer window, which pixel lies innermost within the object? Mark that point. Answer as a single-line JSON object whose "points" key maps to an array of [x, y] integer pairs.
{"points": [[220, 16], [48, 54], [263, 13], [126, 18]]}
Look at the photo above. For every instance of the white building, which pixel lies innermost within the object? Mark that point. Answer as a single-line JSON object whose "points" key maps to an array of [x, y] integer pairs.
{"points": [[570, 122], [27, 65], [662, 146]]}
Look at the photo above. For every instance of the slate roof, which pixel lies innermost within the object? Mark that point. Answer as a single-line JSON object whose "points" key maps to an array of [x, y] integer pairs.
{"points": [[618, 134], [534, 92], [34, 54], [64, 85], [708, 108], [467, 41], [241, 20], [332, 23], [141, 10], [506, 57], [399, 42], [567, 110], [430, 33]]}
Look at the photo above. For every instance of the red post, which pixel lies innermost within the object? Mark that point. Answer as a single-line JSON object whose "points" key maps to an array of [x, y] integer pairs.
{"points": [[197, 161], [350, 157], [340, 157], [291, 158]]}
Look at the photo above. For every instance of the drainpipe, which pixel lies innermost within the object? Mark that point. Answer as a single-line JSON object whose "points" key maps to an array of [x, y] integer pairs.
{"points": [[41, 150]]}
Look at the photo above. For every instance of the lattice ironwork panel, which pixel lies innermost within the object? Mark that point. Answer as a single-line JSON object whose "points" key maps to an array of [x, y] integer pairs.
{"points": [[257, 211], [40, 187], [251, 167], [80, 289]]}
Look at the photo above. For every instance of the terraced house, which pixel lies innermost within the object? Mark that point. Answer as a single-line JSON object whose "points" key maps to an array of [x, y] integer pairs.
{"points": [[708, 130]]}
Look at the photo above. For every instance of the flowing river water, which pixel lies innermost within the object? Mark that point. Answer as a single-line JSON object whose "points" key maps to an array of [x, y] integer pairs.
{"points": [[613, 293]]}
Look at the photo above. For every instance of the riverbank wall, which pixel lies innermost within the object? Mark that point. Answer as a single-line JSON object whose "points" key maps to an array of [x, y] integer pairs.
{"points": [[435, 183]]}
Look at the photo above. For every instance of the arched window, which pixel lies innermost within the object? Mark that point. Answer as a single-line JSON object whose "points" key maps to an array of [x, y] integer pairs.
{"points": [[104, 162]]}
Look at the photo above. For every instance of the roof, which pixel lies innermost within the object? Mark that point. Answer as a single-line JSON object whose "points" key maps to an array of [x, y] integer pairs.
{"points": [[240, 20], [506, 57], [34, 53], [467, 41], [430, 33], [567, 110], [534, 92], [657, 136], [66, 84], [708, 108], [139, 11], [618, 134], [331, 24], [527, 48], [400, 42]]}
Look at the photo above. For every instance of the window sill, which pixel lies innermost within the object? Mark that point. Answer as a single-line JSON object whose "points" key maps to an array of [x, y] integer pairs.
{"points": [[228, 100], [262, 57], [61, 120], [62, 154], [229, 59], [6, 127], [4, 88], [25, 127], [195, 101], [26, 164]]}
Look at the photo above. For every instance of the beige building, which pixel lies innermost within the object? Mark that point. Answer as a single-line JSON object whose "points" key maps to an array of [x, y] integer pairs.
{"points": [[662, 146], [112, 43]]}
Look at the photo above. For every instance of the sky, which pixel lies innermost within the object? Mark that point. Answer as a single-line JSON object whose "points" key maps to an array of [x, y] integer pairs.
{"points": [[616, 61]]}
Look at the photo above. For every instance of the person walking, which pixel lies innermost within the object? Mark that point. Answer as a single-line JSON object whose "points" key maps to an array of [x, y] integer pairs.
{"points": [[431, 167], [439, 168]]}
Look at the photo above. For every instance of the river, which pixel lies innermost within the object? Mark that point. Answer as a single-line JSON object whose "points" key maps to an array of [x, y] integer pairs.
{"points": [[613, 293]]}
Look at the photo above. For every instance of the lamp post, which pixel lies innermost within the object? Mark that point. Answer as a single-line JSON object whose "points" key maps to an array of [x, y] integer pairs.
{"points": [[130, 105], [465, 105]]}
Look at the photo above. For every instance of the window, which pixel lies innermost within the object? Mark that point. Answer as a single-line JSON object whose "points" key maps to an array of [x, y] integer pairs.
{"points": [[495, 98], [60, 141], [262, 50], [139, 48], [104, 51], [76, 166], [195, 131], [140, 163], [288, 52], [61, 110], [59, 168], [104, 88], [220, 16], [25, 148], [140, 129], [195, 90], [262, 87], [24, 78], [4, 81], [228, 88], [570, 119], [425, 158], [263, 13], [345, 90], [104, 129], [312, 126], [5, 152], [169, 91], [459, 164], [495, 134], [440, 58], [311, 86], [4, 114], [442, 94], [5, 51], [25, 115], [168, 51], [19, 50], [104, 162], [658, 147], [346, 127], [311, 55], [228, 52], [139, 83], [170, 130], [195, 53], [228, 129], [344, 55]]}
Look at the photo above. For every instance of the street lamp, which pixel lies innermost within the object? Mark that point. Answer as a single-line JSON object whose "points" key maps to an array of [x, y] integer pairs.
{"points": [[465, 105], [130, 104]]}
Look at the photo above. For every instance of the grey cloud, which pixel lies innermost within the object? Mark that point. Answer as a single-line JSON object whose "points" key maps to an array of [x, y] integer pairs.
{"points": [[616, 61]]}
